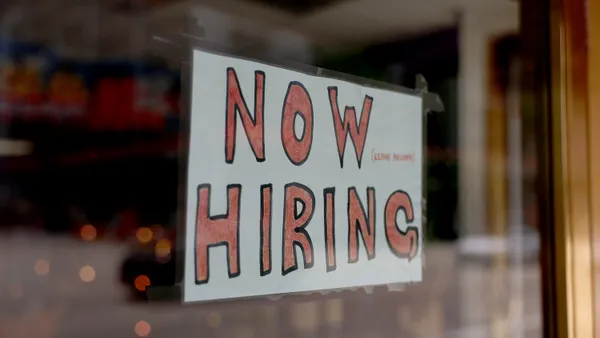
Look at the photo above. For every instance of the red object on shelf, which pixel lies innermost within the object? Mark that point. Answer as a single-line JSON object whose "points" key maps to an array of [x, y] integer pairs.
{"points": [[128, 104], [124, 114], [106, 105]]}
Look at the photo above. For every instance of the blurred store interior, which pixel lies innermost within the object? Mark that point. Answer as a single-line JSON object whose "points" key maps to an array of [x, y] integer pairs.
{"points": [[89, 146]]}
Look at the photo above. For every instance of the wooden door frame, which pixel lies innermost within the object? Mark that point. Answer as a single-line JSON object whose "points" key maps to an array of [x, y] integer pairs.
{"points": [[569, 194], [593, 45]]}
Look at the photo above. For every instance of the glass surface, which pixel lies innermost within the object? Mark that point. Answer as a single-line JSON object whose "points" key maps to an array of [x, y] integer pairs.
{"points": [[90, 180]]}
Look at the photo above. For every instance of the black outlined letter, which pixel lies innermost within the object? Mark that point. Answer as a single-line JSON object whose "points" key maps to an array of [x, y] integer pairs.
{"points": [[294, 224], [254, 127], [297, 103], [358, 131], [360, 222], [266, 217], [329, 201], [404, 244], [213, 231]]}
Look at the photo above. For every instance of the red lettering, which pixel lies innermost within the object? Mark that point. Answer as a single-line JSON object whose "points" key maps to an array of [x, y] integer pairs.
{"points": [[358, 132], [254, 127], [404, 244], [360, 222], [297, 103], [213, 231], [265, 231], [329, 198], [294, 224]]}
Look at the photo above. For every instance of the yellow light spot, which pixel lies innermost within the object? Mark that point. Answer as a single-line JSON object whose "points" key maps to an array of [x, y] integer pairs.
{"points": [[88, 233], [141, 282], [142, 328], [163, 248], [41, 267], [213, 319], [87, 274], [144, 235]]}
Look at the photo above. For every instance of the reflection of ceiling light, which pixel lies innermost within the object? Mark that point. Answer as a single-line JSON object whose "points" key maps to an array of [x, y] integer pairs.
{"points": [[10, 147]]}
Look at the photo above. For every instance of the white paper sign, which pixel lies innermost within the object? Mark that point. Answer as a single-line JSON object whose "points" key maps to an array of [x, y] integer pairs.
{"points": [[298, 183]]}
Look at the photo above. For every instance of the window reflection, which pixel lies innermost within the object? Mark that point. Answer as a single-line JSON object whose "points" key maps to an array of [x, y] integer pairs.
{"points": [[89, 102]]}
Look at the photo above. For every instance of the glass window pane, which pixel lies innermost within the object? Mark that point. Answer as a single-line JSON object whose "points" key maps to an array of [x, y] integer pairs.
{"points": [[90, 156]]}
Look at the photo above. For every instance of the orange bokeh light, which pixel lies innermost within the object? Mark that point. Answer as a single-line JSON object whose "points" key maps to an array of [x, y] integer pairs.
{"points": [[141, 282], [163, 248], [142, 328], [144, 235], [88, 232]]}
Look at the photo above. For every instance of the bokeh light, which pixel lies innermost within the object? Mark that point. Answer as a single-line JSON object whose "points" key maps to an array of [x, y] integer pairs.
{"points": [[87, 274], [142, 328], [142, 282], [144, 235], [88, 232], [213, 320], [41, 267], [163, 248]]}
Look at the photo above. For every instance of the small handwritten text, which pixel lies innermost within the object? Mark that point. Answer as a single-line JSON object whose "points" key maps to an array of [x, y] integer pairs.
{"points": [[377, 156]]}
